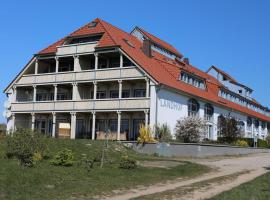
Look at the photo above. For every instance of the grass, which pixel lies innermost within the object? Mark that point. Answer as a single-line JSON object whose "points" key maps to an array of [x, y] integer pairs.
{"points": [[45, 181], [258, 189]]}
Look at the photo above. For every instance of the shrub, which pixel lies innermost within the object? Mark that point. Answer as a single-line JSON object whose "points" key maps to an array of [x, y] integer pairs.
{"points": [[37, 157], [64, 157], [163, 132], [145, 134], [228, 128], [24, 144], [190, 129], [127, 163], [267, 139], [241, 143], [262, 143]]}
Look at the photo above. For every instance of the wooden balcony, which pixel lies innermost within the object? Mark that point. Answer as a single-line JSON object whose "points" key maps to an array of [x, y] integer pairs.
{"points": [[84, 105], [87, 75], [76, 49]]}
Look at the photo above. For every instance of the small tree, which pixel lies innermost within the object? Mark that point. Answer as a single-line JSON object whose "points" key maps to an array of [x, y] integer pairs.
{"points": [[145, 134], [228, 129], [163, 132], [190, 129]]}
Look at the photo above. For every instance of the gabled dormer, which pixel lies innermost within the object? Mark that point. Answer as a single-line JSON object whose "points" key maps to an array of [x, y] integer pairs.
{"points": [[229, 82], [157, 44]]}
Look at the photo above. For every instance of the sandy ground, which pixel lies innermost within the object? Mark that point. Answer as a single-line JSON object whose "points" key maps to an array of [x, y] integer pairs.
{"points": [[248, 168]]}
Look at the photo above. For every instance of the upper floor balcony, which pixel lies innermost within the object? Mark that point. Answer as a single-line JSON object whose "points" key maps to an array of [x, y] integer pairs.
{"points": [[80, 68], [71, 49], [103, 95]]}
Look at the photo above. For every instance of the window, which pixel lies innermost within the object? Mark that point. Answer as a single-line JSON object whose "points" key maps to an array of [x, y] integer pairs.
{"points": [[193, 107], [65, 66], [241, 126], [101, 95], [125, 93], [208, 112], [64, 96], [192, 80], [85, 39], [240, 91], [139, 93], [124, 127], [263, 125], [114, 94], [249, 121], [92, 25], [45, 97], [256, 123]]}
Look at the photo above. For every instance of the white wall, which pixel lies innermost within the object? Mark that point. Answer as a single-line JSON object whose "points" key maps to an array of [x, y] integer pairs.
{"points": [[172, 106]]}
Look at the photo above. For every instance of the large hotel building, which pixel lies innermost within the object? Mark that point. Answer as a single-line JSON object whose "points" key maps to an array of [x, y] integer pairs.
{"points": [[101, 76]]}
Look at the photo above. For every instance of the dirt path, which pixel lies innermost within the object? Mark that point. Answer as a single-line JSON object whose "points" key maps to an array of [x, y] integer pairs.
{"points": [[255, 164]]}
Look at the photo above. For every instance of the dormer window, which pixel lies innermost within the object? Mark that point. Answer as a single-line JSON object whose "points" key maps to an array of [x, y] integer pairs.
{"points": [[225, 78], [87, 39], [192, 80], [92, 25]]}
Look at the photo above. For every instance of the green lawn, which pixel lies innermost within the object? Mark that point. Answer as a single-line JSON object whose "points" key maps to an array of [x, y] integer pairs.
{"points": [[53, 182], [258, 189]]}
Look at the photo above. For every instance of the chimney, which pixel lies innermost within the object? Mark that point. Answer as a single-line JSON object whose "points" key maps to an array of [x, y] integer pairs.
{"points": [[186, 60], [146, 48]]}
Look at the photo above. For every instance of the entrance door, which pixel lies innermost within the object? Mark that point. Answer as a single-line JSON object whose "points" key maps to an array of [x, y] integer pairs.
{"points": [[80, 129], [136, 128], [210, 132], [40, 125]]}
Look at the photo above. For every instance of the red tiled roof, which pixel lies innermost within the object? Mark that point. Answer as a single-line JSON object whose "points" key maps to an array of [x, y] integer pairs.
{"points": [[163, 70], [160, 42]]}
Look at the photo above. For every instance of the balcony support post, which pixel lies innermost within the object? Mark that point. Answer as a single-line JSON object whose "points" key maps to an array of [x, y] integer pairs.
{"points": [[93, 125], [55, 92], [14, 93], [95, 90], [33, 121], [14, 123], [147, 88], [73, 126], [96, 61], [56, 64], [74, 91], [53, 124], [76, 63], [121, 60], [34, 93], [120, 89], [36, 66], [118, 125], [146, 112]]}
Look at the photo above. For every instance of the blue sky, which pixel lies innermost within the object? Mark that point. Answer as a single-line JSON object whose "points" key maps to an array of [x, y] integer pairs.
{"points": [[232, 35]]}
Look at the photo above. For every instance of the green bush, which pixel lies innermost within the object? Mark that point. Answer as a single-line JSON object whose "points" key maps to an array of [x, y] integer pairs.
{"points": [[24, 144], [127, 163], [64, 157], [262, 143], [163, 132]]}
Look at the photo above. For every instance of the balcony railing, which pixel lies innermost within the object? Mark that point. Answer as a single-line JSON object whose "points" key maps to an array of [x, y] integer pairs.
{"points": [[76, 48], [68, 105], [70, 76]]}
